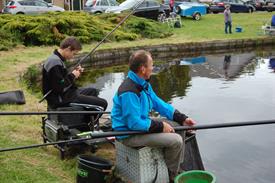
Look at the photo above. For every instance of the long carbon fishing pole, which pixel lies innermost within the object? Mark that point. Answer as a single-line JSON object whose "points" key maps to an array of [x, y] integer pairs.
{"points": [[98, 44], [94, 135]]}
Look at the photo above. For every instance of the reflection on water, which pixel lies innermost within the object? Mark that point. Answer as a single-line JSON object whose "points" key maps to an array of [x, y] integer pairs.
{"points": [[225, 88]]}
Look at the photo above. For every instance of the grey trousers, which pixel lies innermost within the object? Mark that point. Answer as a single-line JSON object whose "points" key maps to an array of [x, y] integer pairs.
{"points": [[172, 144]]}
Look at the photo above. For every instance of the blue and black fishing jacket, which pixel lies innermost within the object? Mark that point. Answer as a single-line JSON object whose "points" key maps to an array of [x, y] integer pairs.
{"points": [[134, 101]]}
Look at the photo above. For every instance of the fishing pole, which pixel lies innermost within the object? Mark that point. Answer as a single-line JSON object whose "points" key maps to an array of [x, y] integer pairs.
{"points": [[97, 134], [98, 44], [52, 112]]}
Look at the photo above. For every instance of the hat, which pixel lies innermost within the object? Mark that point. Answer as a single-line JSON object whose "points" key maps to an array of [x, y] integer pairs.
{"points": [[227, 6]]}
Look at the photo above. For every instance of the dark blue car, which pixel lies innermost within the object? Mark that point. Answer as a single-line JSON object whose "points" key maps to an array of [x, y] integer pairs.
{"points": [[236, 6]]}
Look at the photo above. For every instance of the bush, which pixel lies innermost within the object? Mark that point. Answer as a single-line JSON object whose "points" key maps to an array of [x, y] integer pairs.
{"points": [[51, 28], [33, 77], [6, 40]]}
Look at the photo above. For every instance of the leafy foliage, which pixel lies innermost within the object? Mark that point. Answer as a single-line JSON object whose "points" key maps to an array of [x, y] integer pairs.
{"points": [[7, 40], [32, 78], [51, 28]]}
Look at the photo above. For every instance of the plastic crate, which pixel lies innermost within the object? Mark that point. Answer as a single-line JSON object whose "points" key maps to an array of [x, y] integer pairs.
{"points": [[141, 165]]}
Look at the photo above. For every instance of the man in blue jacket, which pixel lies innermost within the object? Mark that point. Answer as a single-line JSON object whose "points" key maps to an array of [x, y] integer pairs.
{"points": [[133, 102]]}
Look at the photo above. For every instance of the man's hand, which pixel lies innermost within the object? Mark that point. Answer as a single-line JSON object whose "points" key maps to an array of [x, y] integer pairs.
{"points": [[189, 122], [167, 128], [78, 71], [81, 69]]}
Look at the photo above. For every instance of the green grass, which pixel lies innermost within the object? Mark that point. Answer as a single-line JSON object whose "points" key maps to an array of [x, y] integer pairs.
{"points": [[210, 27], [42, 165]]}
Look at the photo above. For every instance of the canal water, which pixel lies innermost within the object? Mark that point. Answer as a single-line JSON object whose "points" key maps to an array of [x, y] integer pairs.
{"points": [[219, 88]]}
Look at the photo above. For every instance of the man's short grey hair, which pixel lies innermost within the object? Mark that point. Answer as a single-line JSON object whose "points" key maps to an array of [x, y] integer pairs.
{"points": [[137, 59]]}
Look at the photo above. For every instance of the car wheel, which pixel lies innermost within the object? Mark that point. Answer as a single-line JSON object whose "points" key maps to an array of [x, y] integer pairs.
{"points": [[197, 16], [20, 13], [98, 12]]}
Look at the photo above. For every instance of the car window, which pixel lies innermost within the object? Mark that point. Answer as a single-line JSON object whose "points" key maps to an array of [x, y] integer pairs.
{"points": [[11, 3], [48, 1], [98, 3], [26, 3], [129, 3], [39, 3], [143, 5], [104, 3], [217, 1], [113, 2], [238, 2], [22, 3], [152, 3]]}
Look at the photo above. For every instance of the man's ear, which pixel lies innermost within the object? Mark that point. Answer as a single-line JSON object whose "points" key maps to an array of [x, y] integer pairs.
{"points": [[142, 69]]}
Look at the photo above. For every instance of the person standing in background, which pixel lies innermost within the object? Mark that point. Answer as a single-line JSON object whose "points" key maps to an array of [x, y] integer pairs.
{"points": [[227, 19], [171, 4]]}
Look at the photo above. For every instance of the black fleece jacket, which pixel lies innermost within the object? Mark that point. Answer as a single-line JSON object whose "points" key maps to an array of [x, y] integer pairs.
{"points": [[56, 78]]}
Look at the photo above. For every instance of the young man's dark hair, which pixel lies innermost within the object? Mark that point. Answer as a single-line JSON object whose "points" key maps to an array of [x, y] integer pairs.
{"points": [[138, 59], [72, 43]]}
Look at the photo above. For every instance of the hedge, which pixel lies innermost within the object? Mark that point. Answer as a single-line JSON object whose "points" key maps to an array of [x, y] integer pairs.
{"points": [[51, 28]]}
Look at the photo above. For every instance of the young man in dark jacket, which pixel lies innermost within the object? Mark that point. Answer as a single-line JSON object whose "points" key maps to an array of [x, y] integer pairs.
{"points": [[134, 101], [57, 78]]}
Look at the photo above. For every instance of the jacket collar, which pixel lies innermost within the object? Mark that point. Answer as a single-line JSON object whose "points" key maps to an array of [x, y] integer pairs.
{"points": [[59, 55], [133, 76]]}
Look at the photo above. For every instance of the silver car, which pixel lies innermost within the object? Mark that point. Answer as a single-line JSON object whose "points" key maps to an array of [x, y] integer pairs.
{"points": [[99, 6], [30, 7]]}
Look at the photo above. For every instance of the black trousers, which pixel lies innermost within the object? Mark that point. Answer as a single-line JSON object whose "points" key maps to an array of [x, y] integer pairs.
{"points": [[90, 96]]}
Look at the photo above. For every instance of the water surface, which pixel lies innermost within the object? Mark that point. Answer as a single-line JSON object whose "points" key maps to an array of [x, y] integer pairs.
{"points": [[223, 88]]}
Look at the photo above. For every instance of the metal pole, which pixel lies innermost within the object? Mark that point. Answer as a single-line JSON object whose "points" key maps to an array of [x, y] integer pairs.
{"points": [[94, 135], [98, 44]]}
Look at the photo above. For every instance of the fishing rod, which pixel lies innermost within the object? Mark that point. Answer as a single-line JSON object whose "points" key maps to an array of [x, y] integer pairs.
{"points": [[98, 44], [97, 134], [52, 112]]}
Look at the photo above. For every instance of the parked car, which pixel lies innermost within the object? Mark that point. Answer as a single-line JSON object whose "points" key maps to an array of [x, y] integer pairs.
{"points": [[195, 10], [270, 2], [270, 5], [99, 6], [236, 6], [258, 4], [30, 7], [149, 8]]}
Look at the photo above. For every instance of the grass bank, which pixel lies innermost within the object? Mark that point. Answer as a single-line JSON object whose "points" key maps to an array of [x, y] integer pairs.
{"points": [[43, 165]]}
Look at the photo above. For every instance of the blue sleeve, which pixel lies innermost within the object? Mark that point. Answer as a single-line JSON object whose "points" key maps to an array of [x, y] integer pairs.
{"points": [[131, 112], [162, 107]]}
